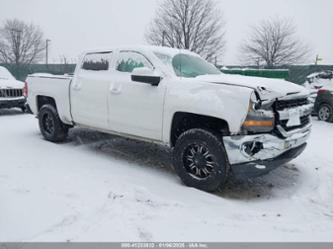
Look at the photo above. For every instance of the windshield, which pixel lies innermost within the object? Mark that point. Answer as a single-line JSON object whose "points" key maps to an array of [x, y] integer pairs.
{"points": [[188, 66], [5, 74]]}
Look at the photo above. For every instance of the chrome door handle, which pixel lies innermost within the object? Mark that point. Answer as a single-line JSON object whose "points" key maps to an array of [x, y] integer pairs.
{"points": [[115, 89]]}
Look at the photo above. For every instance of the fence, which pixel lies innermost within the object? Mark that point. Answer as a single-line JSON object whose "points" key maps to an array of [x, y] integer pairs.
{"points": [[296, 74], [293, 73], [21, 72], [267, 73]]}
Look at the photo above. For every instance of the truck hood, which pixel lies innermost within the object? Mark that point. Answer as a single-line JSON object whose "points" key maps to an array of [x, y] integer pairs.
{"points": [[266, 87], [11, 84]]}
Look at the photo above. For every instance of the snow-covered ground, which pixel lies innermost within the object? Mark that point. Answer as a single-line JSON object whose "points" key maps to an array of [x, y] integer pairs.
{"points": [[98, 187]]}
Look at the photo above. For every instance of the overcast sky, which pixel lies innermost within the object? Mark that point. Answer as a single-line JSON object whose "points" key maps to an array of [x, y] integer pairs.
{"points": [[76, 25]]}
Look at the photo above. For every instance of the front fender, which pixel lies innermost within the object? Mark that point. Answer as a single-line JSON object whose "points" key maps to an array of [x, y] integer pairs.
{"points": [[229, 103]]}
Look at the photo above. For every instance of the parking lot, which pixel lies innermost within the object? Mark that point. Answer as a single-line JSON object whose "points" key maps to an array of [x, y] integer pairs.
{"points": [[97, 187]]}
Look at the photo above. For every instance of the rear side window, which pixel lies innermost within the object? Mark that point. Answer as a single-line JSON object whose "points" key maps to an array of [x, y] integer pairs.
{"points": [[96, 61], [129, 60]]}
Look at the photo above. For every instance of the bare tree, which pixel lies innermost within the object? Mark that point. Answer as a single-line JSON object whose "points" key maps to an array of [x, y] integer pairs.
{"points": [[20, 43], [273, 42], [190, 24]]}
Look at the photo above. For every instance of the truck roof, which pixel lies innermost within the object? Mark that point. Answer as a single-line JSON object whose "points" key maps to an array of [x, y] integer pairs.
{"points": [[143, 48]]}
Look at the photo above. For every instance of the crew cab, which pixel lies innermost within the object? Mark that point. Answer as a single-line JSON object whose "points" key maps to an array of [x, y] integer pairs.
{"points": [[216, 124], [12, 91]]}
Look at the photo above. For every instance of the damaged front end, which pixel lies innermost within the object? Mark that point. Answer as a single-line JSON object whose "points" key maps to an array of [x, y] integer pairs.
{"points": [[274, 132]]}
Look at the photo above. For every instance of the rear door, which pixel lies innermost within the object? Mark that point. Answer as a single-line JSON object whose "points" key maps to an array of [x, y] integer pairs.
{"points": [[89, 90]]}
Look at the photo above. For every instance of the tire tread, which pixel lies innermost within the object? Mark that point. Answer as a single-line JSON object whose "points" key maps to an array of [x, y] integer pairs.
{"points": [[61, 130], [214, 138]]}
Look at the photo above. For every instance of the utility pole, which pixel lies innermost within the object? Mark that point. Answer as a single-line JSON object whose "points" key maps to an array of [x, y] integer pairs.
{"points": [[258, 62], [47, 51], [318, 59], [163, 38]]}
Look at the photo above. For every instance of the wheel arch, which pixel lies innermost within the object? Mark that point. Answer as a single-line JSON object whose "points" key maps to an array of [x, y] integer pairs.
{"points": [[42, 100], [183, 121], [62, 110]]}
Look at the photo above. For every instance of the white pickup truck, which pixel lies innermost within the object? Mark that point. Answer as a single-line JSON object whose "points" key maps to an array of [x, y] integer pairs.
{"points": [[216, 124]]}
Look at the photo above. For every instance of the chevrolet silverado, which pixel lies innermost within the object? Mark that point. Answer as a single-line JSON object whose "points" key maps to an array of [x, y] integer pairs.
{"points": [[216, 124]]}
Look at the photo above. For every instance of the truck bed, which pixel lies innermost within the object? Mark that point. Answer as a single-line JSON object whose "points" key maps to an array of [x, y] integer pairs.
{"points": [[54, 86]]}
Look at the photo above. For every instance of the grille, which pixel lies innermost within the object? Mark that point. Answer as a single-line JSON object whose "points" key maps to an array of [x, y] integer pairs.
{"points": [[305, 120], [11, 93], [283, 104]]}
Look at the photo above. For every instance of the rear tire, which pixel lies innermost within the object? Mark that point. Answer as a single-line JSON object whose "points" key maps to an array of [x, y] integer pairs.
{"points": [[50, 124], [325, 113], [200, 160]]}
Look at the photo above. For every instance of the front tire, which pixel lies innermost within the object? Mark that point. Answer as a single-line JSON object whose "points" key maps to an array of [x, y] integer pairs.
{"points": [[200, 160], [50, 124], [325, 113]]}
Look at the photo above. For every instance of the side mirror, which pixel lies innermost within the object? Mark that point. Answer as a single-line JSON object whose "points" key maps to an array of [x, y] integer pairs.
{"points": [[146, 75]]}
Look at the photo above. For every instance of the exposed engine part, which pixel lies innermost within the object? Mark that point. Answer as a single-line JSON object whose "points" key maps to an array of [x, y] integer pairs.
{"points": [[252, 148]]}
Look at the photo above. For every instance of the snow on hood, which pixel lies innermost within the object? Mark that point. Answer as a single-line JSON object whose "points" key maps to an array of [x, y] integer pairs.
{"points": [[11, 83], [276, 87]]}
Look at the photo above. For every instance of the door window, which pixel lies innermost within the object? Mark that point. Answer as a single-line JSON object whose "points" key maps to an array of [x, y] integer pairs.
{"points": [[129, 60]]}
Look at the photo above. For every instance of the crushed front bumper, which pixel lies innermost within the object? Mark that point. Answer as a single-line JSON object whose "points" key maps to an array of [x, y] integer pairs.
{"points": [[255, 155], [12, 102], [262, 167]]}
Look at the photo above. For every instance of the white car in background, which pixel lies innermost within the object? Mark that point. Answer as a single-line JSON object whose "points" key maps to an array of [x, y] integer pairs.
{"points": [[12, 91], [321, 86], [319, 80]]}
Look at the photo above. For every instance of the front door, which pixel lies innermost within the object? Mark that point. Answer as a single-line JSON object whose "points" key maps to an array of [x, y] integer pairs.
{"points": [[135, 108]]}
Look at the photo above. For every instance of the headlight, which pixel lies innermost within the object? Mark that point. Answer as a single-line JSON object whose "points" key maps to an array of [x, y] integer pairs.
{"points": [[258, 120]]}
